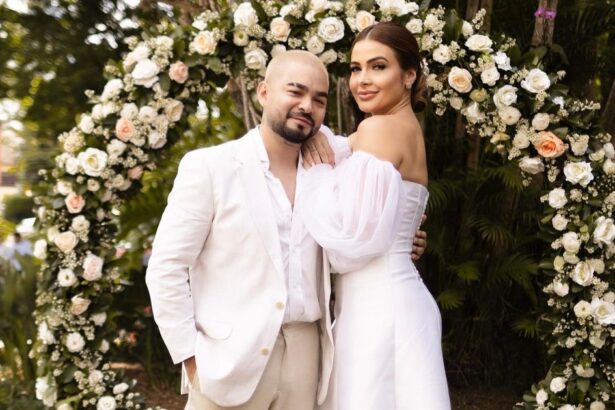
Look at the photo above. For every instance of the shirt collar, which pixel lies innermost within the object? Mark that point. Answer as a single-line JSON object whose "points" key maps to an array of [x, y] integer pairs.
{"points": [[261, 153]]}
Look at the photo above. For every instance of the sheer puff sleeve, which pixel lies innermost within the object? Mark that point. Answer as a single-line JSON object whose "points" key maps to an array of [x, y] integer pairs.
{"points": [[351, 210]]}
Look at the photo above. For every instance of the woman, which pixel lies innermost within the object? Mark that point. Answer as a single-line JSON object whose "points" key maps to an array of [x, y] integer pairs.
{"points": [[388, 327]]}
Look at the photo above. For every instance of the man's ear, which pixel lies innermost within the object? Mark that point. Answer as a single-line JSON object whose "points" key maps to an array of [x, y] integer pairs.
{"points": [[262, 91]]}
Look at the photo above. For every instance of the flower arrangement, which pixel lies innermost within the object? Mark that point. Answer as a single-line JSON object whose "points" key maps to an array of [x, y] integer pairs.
{"points": [[505, 97]]}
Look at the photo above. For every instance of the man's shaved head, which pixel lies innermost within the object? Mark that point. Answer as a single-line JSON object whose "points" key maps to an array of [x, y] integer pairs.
{"points": [[283, 62]]}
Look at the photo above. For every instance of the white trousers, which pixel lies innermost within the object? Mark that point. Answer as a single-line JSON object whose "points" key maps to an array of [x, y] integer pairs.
{"points": [[290, 379]]}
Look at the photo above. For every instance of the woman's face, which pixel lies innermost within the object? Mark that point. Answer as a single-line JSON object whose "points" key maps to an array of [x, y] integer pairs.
{"points": [[377, 82]]}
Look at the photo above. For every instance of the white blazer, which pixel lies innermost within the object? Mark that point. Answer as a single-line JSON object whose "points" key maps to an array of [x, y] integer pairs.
{"points": [[215, 275]]}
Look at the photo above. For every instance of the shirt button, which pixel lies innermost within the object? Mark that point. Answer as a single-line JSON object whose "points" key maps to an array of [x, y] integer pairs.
{"points": [[264, 351], [279, 305]]}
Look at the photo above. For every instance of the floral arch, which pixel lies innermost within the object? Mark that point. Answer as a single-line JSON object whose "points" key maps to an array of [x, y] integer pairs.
{"points": [[503, 96]]}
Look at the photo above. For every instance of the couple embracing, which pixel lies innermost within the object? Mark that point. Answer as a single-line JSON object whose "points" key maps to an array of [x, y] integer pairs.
{"points": [[240, 270]]}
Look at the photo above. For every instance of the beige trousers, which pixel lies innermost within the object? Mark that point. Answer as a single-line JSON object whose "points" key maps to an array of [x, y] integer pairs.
{"points": [[290, 379]]}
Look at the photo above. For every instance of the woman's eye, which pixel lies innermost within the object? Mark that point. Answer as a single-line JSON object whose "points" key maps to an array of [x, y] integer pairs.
{"points": [[354, 69], [379, 67]]}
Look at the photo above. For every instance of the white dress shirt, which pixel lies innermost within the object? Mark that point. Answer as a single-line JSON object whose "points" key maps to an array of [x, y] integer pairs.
{"points": [[302, 303]]}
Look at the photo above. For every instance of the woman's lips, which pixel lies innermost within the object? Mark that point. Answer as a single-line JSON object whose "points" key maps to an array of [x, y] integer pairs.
{"points": [[367, 95]]}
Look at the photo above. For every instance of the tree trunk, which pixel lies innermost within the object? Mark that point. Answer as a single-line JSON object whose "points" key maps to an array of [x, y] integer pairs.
{"points": [[608, 116], [544, 23]]}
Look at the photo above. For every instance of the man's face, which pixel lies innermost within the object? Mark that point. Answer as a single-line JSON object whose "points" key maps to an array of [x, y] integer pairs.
{"points": [[294, 105]]}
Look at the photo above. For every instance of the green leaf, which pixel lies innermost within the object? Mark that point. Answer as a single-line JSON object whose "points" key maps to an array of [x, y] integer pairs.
{"points": [[260, 12], [451, 299], [468, 271]]}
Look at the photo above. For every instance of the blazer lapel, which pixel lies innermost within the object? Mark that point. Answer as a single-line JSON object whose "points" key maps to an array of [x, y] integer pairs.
{"points": [[256, 198]]}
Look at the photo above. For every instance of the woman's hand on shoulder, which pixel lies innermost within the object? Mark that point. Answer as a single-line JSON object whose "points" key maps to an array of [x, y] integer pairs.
{"points": [[376, 135]]}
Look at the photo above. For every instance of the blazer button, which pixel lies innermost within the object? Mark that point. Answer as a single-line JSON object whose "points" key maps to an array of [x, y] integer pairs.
{"points": [[264, 351], [279, 305]]}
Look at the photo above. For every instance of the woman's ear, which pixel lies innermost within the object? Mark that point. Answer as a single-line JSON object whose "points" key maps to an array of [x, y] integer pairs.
{"points": [[409, 77]]}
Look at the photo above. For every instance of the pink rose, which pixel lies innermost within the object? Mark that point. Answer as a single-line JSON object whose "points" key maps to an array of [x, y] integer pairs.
{"points": [[74, 203], [92, 267], [178, 72], [79, 305], [125, 129], [136, 172]]}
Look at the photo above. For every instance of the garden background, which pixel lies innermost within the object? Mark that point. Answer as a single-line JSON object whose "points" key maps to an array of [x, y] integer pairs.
{"points": [[484, 249]]}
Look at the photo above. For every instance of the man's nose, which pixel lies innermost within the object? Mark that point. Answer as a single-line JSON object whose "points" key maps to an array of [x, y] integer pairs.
{"points": [[306, 104]]}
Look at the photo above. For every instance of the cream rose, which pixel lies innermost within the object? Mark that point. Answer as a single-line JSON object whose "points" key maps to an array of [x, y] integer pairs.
{"points": [[473, 113], [120, 388], [40, 249], [245, 15], [393, 7], [540, 121], [531, 165], [603, 312], [79, 305], [256, 59], [571, 242], [129, 111], [460, 79], [578, 173], [156, 140], [146, 73], [490, 75], [66, 278], [315, 45], [108, 402], [582, 309], [415, 26], [280, 29], [559, 222], [328, 57], [178, 72], [364, 19], [604, 233], [86, 124], [277, 49], [173, 110], [92, 267], [456, 102], [99, 318], [557, 198], [204, 43], [80, 224], [521, 140], [583, 273], [557, 384], [509, 115], [147, 114], [505, 96], [74, 203], [597, 405], [116, 148], [93, 161], [331, 29], [608, 167], [318, 5], [432, 22], [479, 43], [597, 265], [536, 81], [442, 54], [560, 289], [66, 241], [112, 89]]}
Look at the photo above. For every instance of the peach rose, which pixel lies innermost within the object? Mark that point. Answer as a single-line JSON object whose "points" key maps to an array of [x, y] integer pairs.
{"points": [[549, 145], [136, 172], [125, 129], [74, 203], [178, 72]]}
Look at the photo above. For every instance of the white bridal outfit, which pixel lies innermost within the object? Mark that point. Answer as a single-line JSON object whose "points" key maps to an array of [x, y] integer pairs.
{"points": [[388, 328]]}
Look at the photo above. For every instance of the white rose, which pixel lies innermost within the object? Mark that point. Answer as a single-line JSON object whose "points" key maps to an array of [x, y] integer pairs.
{"points": [[466, 29], [315, 45], [557, 198], [116, 148], [140, 53], [442, 54], [256, 59], [40, 249], [597, 264], [431, 22], [603, 312], [80, 224], [609, 150], [597, 405], [460, 79], [584, 372], [156, 140], [521, 140], [99, 318], [490, 76], [74, 342], [582, 309], [473, 113], [604, 233], [364, 19], [540, 121], [509, 115], [317, 6], [288, 9], [578, 173], [571, 242], [412, 7], [104, 346], [393, 7], [129, 111], [571, 258], [112, 89], [204, 43], [79, 305], [164, 43], [609, 297], [531, 165], [541, 396], [120, 388], [46, 393], [559, 263], [596, 340], [95, 377], [559, 222], [245, 15], [280, 29], [415, 26], [86, 124], [505, 96], [456, 102], [146, 73], [328, 57], [536, 81], [557, 384], [66, 241], [45, 334], [240, 38], [72, 165], [66, 278], [608, 167], [93, 161], [560, 289], [331, 29], [566, 407], [579, 144], [92, 267], [108, 402], [502, 60], [582, 274], [479, 42], [147, 114], [173, 110]]}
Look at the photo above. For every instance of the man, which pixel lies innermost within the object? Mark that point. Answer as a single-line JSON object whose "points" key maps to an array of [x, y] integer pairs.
{"points": [[239, 289]]}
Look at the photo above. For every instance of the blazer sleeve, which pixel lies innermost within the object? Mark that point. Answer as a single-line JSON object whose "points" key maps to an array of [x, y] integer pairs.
{"points": [[180, 237]]}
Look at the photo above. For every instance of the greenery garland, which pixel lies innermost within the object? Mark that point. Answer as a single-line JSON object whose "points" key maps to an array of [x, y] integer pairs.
{"points": [[504, 96]]}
